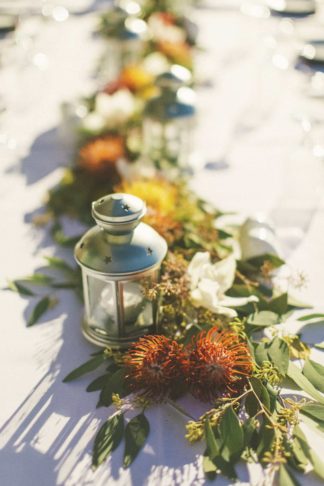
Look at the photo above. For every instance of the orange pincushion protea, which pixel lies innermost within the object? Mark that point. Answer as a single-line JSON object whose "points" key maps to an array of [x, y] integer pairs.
{"points": [[165, 225], [217, 361], [154, 367], [178, 52], [101, 154]]}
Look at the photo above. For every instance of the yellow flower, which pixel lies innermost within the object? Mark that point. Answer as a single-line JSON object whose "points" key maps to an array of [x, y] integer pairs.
{"points": [[136, 78], [159, 194]]}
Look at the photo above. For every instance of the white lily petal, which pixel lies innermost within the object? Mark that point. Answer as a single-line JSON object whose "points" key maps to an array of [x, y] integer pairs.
{"points": [[237, 301], [196, 267], [93, 122], [104, 105], [224, 272]]}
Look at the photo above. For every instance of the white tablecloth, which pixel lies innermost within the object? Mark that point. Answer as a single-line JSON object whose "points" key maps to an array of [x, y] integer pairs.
{"points": [[249, 113]]}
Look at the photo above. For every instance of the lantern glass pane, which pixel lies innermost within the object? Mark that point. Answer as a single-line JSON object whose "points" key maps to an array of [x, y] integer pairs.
{"points": [[170, 141], [138, 310], [119, 54], [102, 312]]}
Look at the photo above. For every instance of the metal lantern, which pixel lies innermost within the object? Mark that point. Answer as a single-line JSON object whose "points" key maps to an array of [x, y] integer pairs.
{"points": [[169, 120], [125, 46], [120, 259]]}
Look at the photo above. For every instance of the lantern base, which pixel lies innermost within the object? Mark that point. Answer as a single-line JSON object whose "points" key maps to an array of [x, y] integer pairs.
{"points": [[105, 341]]}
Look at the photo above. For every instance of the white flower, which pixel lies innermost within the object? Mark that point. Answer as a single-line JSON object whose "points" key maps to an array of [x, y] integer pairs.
{"points": [[93, 122], [155, 63], [162, 31], [116, 108], [209, 282]]}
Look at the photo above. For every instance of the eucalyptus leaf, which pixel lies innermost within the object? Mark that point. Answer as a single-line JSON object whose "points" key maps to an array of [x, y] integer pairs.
{"points": [[310, 317], [59, 264], [260, 352], [136, 433], [232, 435], [278, 353], [114, 384], [99, 383], [17, 286], [299, 454], [286, 477], [108, 438], [252, 405], [304, 384], [209, 468], [263, 319], [314, 372], [317, 463], [267, 435], [278, 305], [297, 304], [214, 445], [258, 261], [38, 279], [41, 307], [314, 410], [261, 392], [85, 368]]}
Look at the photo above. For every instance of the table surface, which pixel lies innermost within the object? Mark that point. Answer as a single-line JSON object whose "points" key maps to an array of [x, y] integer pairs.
{"points": [[247, 118]]}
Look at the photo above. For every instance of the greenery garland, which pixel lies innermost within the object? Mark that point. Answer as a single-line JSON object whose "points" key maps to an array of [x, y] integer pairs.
{"points": [[239, 365]]}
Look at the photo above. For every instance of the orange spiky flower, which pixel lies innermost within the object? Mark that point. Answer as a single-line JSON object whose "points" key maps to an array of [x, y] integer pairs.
{"points": [[154, 367], [101, 154], [218, 361], [165, 225]]}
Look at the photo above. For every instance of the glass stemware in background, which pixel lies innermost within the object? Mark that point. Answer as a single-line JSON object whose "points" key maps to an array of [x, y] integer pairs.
{"points": [[302, 187]]}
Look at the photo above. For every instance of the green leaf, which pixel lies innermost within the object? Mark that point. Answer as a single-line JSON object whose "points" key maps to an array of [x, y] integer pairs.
{"points": [[278, 353], [209, 468], [108, 438], [309, 317], [60, 238], [98, 383], [258, 261], [319, 345], [314, 410], [263, 319], [278, 305], [317, 464], [214, 452], [286, 478], [38, 279], [261, 392], [314, 372], [249, 430], [136, 433], [213, 446], [114, 384], [299, 454], [232, 435], [260, 353], [252, 405], [298, 304], [16, 286], [40, 308], [304, 384], [59, 264], [266, 434], [85, 368]]}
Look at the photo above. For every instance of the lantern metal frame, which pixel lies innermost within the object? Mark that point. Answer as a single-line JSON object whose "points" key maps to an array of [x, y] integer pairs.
{"points": [[123, 234]]}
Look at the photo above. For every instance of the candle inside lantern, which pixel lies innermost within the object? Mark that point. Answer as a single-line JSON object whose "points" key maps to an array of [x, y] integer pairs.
{"points": [[137, 310]]}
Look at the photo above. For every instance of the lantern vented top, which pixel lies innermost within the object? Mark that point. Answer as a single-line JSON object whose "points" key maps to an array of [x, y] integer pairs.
{"points": [[118, 209]]}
